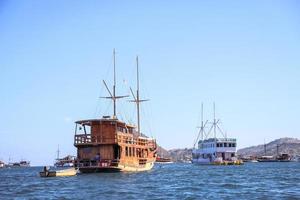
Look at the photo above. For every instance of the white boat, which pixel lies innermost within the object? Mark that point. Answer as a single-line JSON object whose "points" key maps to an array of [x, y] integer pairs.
{"points": [[214, 150], [65, 172]]}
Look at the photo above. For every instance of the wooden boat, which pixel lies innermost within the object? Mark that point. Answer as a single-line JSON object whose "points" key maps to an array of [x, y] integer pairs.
{"points": [[163, 160], [111, 145], [65, 172]]}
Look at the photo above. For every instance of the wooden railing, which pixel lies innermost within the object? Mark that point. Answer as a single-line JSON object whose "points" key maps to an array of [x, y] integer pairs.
{"points": [[89, 139], [85, 139], [94, 163]]}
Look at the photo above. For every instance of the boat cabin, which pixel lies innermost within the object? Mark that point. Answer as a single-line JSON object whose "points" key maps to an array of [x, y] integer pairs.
{"points": [[224, 148]]}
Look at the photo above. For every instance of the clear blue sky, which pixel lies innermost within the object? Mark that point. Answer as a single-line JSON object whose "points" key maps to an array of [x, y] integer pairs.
{"points": [[244, 55]]}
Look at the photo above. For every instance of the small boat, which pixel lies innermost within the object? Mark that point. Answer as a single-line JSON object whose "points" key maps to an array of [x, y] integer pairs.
{"points": [[2, 164], [22, 163], [163, 160], [65, 172]]}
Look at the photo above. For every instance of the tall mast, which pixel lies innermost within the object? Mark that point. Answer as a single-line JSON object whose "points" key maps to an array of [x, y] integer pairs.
{"points": [[114, 87], [215, 123], [113, 96], [201, 131], [202, 125], [136, 97]]}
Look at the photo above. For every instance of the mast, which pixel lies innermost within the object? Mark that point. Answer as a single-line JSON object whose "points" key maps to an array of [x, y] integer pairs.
{"points": [[215, 126], [265, 147], [114, 87], [57, 152], [215, 123], [201, 131], [202, 125], [113, 95], [136, 97]]}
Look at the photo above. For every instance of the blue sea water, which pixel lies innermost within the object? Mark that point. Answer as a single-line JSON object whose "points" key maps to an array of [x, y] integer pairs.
{"points": [[167, 181]]}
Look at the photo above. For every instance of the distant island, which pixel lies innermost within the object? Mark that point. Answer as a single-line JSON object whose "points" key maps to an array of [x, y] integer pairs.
{"points": [[285, 145]]}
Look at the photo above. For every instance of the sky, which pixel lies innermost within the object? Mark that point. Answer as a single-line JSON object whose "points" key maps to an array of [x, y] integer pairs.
{"points": [[242, 55]]}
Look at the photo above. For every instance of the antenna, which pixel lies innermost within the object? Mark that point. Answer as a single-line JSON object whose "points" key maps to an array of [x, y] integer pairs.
{"points": [[113, 94], [136, 98]]}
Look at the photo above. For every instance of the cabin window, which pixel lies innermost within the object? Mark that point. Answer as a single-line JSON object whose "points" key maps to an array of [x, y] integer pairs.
{"points": [[130, 151], [126, 151], [225, 144], [233, 145], [218, 145], [229, 144], [221, 144]]}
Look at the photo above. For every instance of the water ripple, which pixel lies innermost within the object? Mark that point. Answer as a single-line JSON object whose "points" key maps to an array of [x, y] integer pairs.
{"points": [[176, 181]]}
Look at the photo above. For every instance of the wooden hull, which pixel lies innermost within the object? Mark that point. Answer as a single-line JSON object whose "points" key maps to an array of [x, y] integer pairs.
{"points": [[119, 168]]}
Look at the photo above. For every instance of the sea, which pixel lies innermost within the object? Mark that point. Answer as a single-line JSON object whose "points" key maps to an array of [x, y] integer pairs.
{"points": [[164, 181]]}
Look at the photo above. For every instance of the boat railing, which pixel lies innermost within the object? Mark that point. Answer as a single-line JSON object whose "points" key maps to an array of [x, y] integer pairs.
{"points": [[95, 163], [89, 139]]}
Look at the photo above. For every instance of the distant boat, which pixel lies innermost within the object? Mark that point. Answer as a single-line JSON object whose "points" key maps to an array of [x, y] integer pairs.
{"points": [[279, 158], [214, 150], [2, 164], [284, 157], [22, 163], [163, 160], [68, 161]]}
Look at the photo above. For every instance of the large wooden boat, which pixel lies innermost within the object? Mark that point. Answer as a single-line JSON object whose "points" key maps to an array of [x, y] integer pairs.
{"points": [[109, 144]]}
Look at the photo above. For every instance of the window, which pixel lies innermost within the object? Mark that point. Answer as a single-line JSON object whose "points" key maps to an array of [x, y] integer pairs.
{"points": [[133, 152], [129, 151], [233, 145], [225, 144], [221, 144], [229, 144], [126, 151], [218, 145]]}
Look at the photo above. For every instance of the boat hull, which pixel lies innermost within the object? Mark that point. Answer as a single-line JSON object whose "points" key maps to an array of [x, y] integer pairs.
{"points": [[119, 168], [59, 173], [207, 162]]}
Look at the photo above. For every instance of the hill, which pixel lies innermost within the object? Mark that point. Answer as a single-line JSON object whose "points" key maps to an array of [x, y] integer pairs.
{"points": [[284, 145]]}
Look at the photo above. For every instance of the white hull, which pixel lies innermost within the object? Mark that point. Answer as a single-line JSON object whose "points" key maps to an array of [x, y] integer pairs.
{"points": [[202, 161]]}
